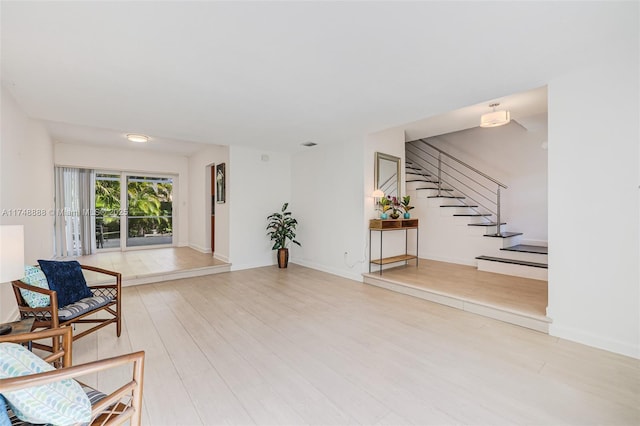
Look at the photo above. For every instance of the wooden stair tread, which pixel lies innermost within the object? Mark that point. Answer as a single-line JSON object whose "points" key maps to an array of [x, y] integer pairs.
{"points": [[486, 224], [472, 214], [461, 205], [525, 248], [503, 234], [513, 261]]}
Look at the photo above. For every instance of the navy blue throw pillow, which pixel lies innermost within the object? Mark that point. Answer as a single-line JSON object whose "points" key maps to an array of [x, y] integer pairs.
{"points": [[66, 279]]}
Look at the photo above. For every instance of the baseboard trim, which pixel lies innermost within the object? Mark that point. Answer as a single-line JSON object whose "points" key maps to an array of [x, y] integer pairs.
{"points": [[596, 341], [333, 271], [199, 248], [457, 261]]}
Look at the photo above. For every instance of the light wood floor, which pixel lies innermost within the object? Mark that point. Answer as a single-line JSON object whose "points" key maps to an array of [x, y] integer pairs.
{"points": [[150, 261], [515, 293], [298, 346]]}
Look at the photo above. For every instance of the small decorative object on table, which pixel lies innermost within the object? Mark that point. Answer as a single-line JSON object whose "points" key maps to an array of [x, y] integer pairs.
{"points": [[406, 207], [385, 205], [395, 208]]}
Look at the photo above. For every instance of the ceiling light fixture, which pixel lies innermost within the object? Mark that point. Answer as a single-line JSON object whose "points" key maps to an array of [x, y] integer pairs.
{"points": [[309, 144], [134, 137], [495, 118]]}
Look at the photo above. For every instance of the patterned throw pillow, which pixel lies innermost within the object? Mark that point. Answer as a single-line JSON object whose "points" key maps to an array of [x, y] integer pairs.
{"points": [[60, 403], [35, 277], [66, 279]]}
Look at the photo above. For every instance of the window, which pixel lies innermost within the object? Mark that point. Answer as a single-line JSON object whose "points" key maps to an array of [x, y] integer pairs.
{"points": [[132, 210], [107, 207], [149, 211]]}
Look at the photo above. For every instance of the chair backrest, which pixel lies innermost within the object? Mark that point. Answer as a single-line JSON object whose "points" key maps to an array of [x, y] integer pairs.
{"points": [[62, 357]]}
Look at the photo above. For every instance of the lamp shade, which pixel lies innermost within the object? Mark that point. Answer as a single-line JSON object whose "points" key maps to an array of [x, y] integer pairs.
{"points": [[377, 193], [495, 119], [11, 252]]}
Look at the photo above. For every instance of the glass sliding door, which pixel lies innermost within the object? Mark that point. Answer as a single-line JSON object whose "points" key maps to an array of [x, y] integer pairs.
{"points": [[107, 210], [149, 211]]}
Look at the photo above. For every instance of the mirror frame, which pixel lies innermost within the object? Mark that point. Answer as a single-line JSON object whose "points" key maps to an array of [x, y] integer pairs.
{"points": [[376, 175]]}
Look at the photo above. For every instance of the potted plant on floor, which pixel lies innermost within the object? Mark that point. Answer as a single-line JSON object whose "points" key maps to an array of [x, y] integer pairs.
{"points": [[280, 228]]}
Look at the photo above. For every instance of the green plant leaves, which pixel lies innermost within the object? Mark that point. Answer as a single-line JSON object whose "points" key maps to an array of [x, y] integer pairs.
{"points": [[281, 227]]}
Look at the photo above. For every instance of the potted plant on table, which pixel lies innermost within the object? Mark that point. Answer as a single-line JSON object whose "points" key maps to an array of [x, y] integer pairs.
{"points": [[406, 200], [280, 228], [395, 207], [385, 205]]}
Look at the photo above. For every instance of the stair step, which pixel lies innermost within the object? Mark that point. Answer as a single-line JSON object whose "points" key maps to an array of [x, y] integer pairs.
{"points": [[486, 224], [461, 205], [473, 214], [446, 196], [436, 188], [421, 180], [504, 234], [513, 261], [524, 248]]}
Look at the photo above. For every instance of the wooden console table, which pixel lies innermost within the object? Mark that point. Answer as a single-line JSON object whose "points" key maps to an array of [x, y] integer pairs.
{"points": [[393, 225]]}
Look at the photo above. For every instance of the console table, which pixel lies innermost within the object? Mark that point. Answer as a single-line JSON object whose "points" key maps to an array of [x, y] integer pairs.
{"points": [[382, 226]]}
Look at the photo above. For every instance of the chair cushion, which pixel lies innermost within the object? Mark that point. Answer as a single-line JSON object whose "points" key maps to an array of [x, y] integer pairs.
{"points": [[11, 419], [5, 420], [61, 402], [35, 277], [66, 279], [81, 306]]}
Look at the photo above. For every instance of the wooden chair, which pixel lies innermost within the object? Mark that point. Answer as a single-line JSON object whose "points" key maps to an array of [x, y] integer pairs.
{"points": [[117, 407], [49, 316]]}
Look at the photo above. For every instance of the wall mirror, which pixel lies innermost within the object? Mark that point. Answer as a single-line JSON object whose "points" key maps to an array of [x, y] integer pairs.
{"points": [[387, 174]]}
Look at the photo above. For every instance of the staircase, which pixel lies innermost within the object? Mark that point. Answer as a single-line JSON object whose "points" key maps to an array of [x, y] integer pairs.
{"points": [[461, 211]]}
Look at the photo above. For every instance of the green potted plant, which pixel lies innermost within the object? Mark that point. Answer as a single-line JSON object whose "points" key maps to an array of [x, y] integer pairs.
{"points": [[385, 205], [280, 228], [406, 200]]}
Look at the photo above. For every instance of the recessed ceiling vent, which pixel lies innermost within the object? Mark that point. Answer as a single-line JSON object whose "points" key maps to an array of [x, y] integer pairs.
{"points": [[309, 144]]}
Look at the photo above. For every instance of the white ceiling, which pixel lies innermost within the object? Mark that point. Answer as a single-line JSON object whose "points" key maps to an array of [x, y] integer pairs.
{"points": [[276, 74]]}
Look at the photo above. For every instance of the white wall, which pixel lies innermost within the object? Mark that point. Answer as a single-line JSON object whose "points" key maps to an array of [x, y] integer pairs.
{"points": [[102, 158], [594, 294], [327, 201], [200, 204], [26, 182], [515, 157], [255, 189]]}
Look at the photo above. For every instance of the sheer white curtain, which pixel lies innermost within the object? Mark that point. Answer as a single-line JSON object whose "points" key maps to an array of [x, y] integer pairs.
{"points": [[74, 219]]}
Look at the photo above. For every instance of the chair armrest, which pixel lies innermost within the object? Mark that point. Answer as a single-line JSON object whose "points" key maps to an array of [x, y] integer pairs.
{"points": [[101, 270], [132, 388], [23, 307], [64, 353], [24, 286], [118, 276]]}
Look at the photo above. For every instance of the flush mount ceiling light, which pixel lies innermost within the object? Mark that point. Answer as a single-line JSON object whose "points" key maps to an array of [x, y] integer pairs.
{"points": [[495, 118], [134, 137], [309, 144]]}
